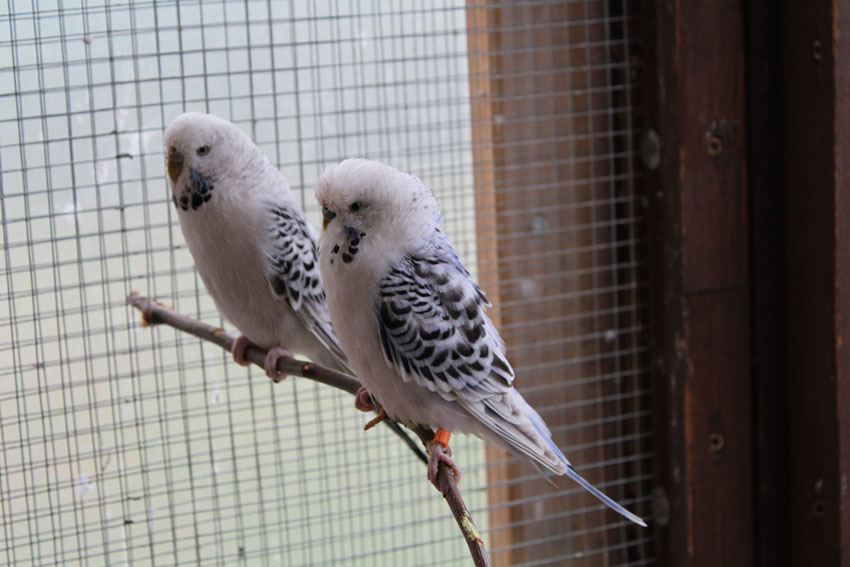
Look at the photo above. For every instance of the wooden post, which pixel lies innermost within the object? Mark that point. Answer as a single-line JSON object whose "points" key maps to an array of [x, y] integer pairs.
{"points": [[699, 224], [544, 173], [767, 217], [816, 75], [482, 41]]}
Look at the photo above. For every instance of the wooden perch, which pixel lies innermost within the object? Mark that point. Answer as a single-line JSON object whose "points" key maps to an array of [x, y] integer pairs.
{"points": [[155, 313]]}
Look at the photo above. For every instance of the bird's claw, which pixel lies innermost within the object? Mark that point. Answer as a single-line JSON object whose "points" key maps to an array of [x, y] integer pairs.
{"points": [[238, 350], [364, 402], [270, 364], [382, 415], [438, 454]]}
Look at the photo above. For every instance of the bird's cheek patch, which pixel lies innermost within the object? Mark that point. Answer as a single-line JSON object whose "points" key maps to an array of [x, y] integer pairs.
{"points": [[353, 244], [195, 194]]}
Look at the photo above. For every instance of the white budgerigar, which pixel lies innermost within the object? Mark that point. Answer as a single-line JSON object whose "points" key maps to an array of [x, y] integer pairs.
{"points": [[413, 323], [251, 243]]}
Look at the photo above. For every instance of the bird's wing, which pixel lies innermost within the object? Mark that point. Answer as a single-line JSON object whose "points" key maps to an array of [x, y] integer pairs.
{"points": [[434, 330], [292, 270]]}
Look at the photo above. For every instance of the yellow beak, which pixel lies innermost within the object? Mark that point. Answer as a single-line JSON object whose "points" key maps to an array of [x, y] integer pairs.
{"points": [[327, 216], [175, 165]]}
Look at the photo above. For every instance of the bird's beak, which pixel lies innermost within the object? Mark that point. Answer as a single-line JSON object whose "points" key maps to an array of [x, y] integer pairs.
{"points": [[327, 216], [175, 164]]}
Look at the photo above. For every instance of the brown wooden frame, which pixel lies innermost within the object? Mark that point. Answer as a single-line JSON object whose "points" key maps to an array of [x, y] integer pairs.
{"points": [[750, 212], [700, 283], [748, 109], [525, 62], [816, 115]]}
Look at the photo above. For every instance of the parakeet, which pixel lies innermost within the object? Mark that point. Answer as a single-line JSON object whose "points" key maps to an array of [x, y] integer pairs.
{"points": [[252, 245], [413, 323]]}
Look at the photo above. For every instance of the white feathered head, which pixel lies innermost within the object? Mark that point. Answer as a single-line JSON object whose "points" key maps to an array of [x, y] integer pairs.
{"points": [[368, 196], [200, 149]]}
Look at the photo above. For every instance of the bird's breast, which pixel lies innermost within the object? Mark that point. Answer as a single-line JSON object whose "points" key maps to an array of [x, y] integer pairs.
{"points": [[227, 244], [352, 294]]}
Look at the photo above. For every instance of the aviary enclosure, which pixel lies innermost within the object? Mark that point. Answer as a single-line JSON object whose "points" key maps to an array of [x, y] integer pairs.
{"points": [[122, 444], [630, 183]]}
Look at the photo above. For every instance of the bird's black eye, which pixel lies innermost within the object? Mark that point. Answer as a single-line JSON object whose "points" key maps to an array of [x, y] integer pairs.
{"points": [[203, 150], [355, 206]]}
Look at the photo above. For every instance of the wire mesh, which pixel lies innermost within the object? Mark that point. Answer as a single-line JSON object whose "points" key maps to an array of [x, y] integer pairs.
{"points": [[123, 445]]}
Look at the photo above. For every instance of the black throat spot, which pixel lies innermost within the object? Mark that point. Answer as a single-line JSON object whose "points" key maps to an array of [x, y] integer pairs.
{"points": [[196, 193], [353, 244]]}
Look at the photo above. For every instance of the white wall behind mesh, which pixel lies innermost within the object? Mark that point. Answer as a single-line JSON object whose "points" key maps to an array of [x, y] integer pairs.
{"points": [[122, 445]]}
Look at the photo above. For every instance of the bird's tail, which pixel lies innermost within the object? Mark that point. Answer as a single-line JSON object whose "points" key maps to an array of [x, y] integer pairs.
{"points": [[332, 361], [521, 429], [604, 498], [541, 428]]}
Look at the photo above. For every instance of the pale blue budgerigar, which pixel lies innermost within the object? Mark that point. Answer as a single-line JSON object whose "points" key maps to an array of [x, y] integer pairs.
{"points": [[412, 321], [252, 244]]}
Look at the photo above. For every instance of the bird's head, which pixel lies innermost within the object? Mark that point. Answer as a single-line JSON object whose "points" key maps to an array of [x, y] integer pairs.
{"points": [[198, 149], [362, 196]]}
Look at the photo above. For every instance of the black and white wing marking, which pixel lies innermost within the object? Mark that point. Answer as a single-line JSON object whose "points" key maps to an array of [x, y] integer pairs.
{"points": [[434, 330], [292, 270]]}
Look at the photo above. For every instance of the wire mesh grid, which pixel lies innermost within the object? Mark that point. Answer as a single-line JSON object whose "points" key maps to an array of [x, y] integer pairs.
{"points": [[123, 445]]}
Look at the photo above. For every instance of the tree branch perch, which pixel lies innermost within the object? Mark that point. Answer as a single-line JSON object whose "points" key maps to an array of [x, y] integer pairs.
{"points": [[155, 313]]}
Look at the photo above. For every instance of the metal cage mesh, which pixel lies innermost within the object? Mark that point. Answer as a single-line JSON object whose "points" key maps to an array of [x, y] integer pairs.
{"points": [[125, 445]]}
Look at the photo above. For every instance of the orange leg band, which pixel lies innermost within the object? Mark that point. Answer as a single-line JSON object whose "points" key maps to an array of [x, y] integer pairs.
{"points": [[442, 437]]}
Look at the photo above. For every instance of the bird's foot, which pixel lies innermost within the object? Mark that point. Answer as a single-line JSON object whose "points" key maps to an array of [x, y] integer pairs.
{"points": [[238, 350], [440, 452], [363, 400], [382, 415], [270, 364]]}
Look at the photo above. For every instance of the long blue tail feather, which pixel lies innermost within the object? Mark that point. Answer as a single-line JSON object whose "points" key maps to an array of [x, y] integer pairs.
{"points": [[537, 421], [571, 472]]}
